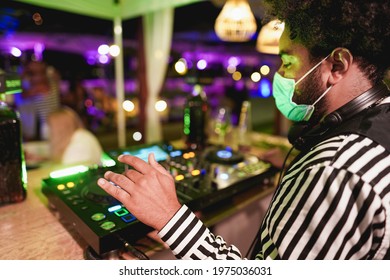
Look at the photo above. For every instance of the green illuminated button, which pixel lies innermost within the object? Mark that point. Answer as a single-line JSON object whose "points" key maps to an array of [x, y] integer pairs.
{"points": [[107, 225], [98, 217], [121, 212]]}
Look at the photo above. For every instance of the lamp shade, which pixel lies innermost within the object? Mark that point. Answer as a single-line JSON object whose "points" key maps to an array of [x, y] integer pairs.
{"points": [[269, 36], [236, 22]]}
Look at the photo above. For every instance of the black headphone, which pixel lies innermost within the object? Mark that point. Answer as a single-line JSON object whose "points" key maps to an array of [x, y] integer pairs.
{"points": [[302, 134]]}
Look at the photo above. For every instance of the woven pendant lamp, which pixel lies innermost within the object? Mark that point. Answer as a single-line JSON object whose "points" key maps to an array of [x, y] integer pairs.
{"points": [[236, 22], [269, 37]]}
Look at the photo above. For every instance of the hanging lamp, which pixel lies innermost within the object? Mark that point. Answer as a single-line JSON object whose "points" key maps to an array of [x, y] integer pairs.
{"points": [[269, 37], [236, 22]]}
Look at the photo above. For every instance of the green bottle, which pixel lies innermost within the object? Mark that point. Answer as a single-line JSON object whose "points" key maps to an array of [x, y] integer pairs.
{"points": [[195, 119], [13, 174]]}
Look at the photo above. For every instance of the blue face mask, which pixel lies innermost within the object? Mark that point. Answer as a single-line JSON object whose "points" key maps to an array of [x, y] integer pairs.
{"points": [[283, 91]]}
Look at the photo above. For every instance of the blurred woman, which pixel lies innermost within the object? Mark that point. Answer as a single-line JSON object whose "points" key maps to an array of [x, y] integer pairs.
{"points": [[70, 142]]}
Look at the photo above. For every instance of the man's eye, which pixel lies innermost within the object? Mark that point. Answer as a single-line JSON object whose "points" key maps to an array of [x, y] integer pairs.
{"points": [[288, 61]]}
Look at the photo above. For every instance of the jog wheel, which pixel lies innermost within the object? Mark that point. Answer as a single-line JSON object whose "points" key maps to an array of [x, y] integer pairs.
{"points": [[224, 156], [96, 194]]}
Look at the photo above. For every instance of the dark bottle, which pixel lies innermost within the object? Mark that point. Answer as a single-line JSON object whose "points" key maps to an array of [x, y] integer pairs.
{"points": [[13, 175], [195, 119]]}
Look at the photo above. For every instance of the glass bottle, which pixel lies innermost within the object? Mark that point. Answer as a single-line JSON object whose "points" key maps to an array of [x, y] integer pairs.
{"points": [[13, 174], [195, 119]]}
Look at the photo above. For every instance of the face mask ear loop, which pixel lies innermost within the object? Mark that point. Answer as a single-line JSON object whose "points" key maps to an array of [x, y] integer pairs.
{"points": [[325, 92], [311, 107], [312, 69]]}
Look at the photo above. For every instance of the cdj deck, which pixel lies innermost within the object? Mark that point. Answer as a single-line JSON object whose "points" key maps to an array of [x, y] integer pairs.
{"points": [[202, 180]]}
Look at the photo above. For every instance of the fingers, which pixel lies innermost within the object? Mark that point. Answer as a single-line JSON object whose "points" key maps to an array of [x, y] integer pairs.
{"points": [[156, 165], [115, 191], [133, 175], [142, 166], [137, 163], [116, 178]]}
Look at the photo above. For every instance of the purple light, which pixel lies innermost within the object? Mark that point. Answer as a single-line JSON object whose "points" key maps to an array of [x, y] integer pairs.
{"points": [[189, 64], [38, 51], [234, 61], [202, 64], [91, 60], [103, 59]]}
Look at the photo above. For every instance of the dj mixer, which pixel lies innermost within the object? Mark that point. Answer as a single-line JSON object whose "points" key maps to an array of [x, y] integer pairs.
{"points": [[202, 178]]}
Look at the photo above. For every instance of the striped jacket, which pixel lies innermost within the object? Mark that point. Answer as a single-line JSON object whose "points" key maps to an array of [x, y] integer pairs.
{"points": [[333, 203]]}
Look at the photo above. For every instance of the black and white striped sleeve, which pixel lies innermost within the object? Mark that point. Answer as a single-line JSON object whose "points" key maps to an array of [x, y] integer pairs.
{"points": [[189, 238], [332, 205]]}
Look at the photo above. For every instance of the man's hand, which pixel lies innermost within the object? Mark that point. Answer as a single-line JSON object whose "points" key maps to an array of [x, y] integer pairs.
{"points": [[147, 191]]}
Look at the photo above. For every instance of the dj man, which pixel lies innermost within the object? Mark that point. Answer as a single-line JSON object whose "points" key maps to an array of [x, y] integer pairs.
{"points": [[333, 201]]}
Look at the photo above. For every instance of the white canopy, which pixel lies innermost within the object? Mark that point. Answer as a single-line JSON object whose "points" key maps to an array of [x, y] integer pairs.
{"points": [[110, 9]]}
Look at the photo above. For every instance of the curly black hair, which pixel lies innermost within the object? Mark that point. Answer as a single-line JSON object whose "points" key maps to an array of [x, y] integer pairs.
{"points": [[362, 26]]}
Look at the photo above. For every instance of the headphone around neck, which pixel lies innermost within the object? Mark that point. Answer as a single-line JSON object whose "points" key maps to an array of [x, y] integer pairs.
{"points": [[301, 134]]}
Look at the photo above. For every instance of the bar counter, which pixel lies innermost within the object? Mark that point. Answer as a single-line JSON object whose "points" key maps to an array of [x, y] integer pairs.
{"points": [[30, 230]]}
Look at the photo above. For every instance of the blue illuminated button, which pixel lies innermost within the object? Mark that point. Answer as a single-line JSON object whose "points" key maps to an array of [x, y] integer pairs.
{"points": [[128, 218], [107, 225], [175, 153], [98, 217], [224, 176], [225, 154], [121, 212]]}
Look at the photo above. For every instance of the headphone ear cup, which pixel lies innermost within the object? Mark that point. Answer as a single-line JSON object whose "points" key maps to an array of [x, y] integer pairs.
{"points": [[297, 132], [332, 119], [300, 134]]}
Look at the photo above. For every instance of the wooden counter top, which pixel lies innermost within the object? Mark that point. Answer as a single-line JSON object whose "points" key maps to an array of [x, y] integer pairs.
{"points": [[29, 230]]}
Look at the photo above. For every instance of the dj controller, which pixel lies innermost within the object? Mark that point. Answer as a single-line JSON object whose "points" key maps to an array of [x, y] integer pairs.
{"points": [[202, 178]]}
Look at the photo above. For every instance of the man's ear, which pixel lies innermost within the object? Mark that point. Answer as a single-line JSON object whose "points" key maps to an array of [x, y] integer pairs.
{"points": [[341, 59]]}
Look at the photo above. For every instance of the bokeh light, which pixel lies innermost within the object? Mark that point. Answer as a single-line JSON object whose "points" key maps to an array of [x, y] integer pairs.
{"points": [[103, 49], [128, 106], [137, 136], [160, 106], [255, 77], [264, 70]]}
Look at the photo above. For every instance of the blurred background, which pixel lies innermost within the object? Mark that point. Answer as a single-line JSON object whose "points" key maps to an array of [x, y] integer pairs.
{"points": [[70, 52]]}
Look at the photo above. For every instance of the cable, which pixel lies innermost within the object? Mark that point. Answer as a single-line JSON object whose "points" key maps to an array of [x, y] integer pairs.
{"points": [[130, 248], [252, 248]]}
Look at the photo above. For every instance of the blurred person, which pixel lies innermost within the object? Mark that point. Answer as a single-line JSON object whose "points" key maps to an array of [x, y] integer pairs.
{"points": [[333, 200], [103, 109], [40, 96], [71, 143], [77, 98]]}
